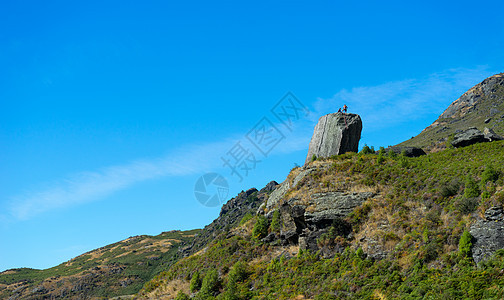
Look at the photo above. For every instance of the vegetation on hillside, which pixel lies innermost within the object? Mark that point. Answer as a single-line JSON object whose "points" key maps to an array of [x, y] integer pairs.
{"points": [[121, 268], [418, 221], [487, 112]]}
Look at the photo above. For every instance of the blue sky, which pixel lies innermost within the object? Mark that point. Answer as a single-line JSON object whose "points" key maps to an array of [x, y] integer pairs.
{"points": [[110, 112]]}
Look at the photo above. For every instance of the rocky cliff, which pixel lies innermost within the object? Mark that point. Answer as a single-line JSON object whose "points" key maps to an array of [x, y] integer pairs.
{"points": [[335, 134], [481, 106]]}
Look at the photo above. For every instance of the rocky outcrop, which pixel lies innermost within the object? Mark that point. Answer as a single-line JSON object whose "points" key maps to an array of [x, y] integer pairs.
{"points": [[472, 136], [305, 224], [407, 151], [481, 106], [335, 134], [328, 207], [468, 137], [284, 187], [488, 234], [468, 101], [230, 216]]}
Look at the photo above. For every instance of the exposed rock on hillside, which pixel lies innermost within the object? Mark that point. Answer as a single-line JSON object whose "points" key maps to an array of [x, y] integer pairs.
{"points": [[335, 134], [468, 137], [407, 151], [481, 106], [230, 215], [473, 135], [304, 219], [488, 234]]}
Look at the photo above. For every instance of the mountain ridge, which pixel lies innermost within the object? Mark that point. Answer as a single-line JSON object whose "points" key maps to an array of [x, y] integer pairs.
{"points": [[356, 215], [481, 106]]}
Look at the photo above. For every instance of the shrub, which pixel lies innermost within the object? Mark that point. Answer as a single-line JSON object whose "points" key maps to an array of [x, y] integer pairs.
{"points": [[275, 222], [489, 175], [380, 158], [381, 151], [211, 284], [465, 244], [195, 284], [450, 188], [182, 296], [245, 218], [366, 150], [239, 272], [467, 205], [471, 188], [260, 228], [314, 157]]}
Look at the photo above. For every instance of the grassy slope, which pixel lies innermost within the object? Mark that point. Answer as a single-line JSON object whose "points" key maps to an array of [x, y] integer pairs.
{"points": [[117, 269], [417, 218], [476, 118]]}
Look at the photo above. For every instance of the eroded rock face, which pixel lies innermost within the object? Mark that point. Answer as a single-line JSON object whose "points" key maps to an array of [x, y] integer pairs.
{"points": [[305, 224], [335, 134], [488, 234], [280, 190], [333, 205]]}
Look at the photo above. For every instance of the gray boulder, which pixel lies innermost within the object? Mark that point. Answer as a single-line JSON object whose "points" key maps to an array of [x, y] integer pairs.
{"points": [[468, 137], [488, 234], [408, 151], [472, 136], [335, 134]]}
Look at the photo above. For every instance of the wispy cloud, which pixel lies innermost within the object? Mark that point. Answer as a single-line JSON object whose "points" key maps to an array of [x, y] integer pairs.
{"points": [[88, 186], [381, 106], [393, 103]]}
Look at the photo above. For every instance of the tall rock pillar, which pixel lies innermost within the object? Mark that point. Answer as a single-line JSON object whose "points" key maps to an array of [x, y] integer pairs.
{"points": [[335, 134]]}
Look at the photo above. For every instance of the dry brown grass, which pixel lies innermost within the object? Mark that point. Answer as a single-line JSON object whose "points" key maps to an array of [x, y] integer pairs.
{"points": [[276, 252], [170, 289]]}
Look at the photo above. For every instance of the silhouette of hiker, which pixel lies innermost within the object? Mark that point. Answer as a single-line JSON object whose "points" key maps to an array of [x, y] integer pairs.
{"points": [[345, 108], [339, 109]]}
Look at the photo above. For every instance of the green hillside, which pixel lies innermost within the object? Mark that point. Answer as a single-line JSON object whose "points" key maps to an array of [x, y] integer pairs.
{"points": [[121, 268], [418, 220]]}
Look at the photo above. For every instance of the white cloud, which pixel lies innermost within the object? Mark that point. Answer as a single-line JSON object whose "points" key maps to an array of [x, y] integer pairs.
{"points": [[88, 186], [382, 106], [397, 102]]}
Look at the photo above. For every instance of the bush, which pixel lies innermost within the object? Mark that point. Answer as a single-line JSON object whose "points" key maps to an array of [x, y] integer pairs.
{"points": [[275, 222], [245, 218], [366, 150], [467, 205], [314, 157], [489, 175], [182, 296], [471, 188], [195, 282], [465, 244], [450, 188], [380, 158], [239, 272], [211, 284], [260, 228]]}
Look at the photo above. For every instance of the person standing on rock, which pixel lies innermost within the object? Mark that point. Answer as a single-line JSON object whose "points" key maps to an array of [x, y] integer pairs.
{"points": [[345, 108]]}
